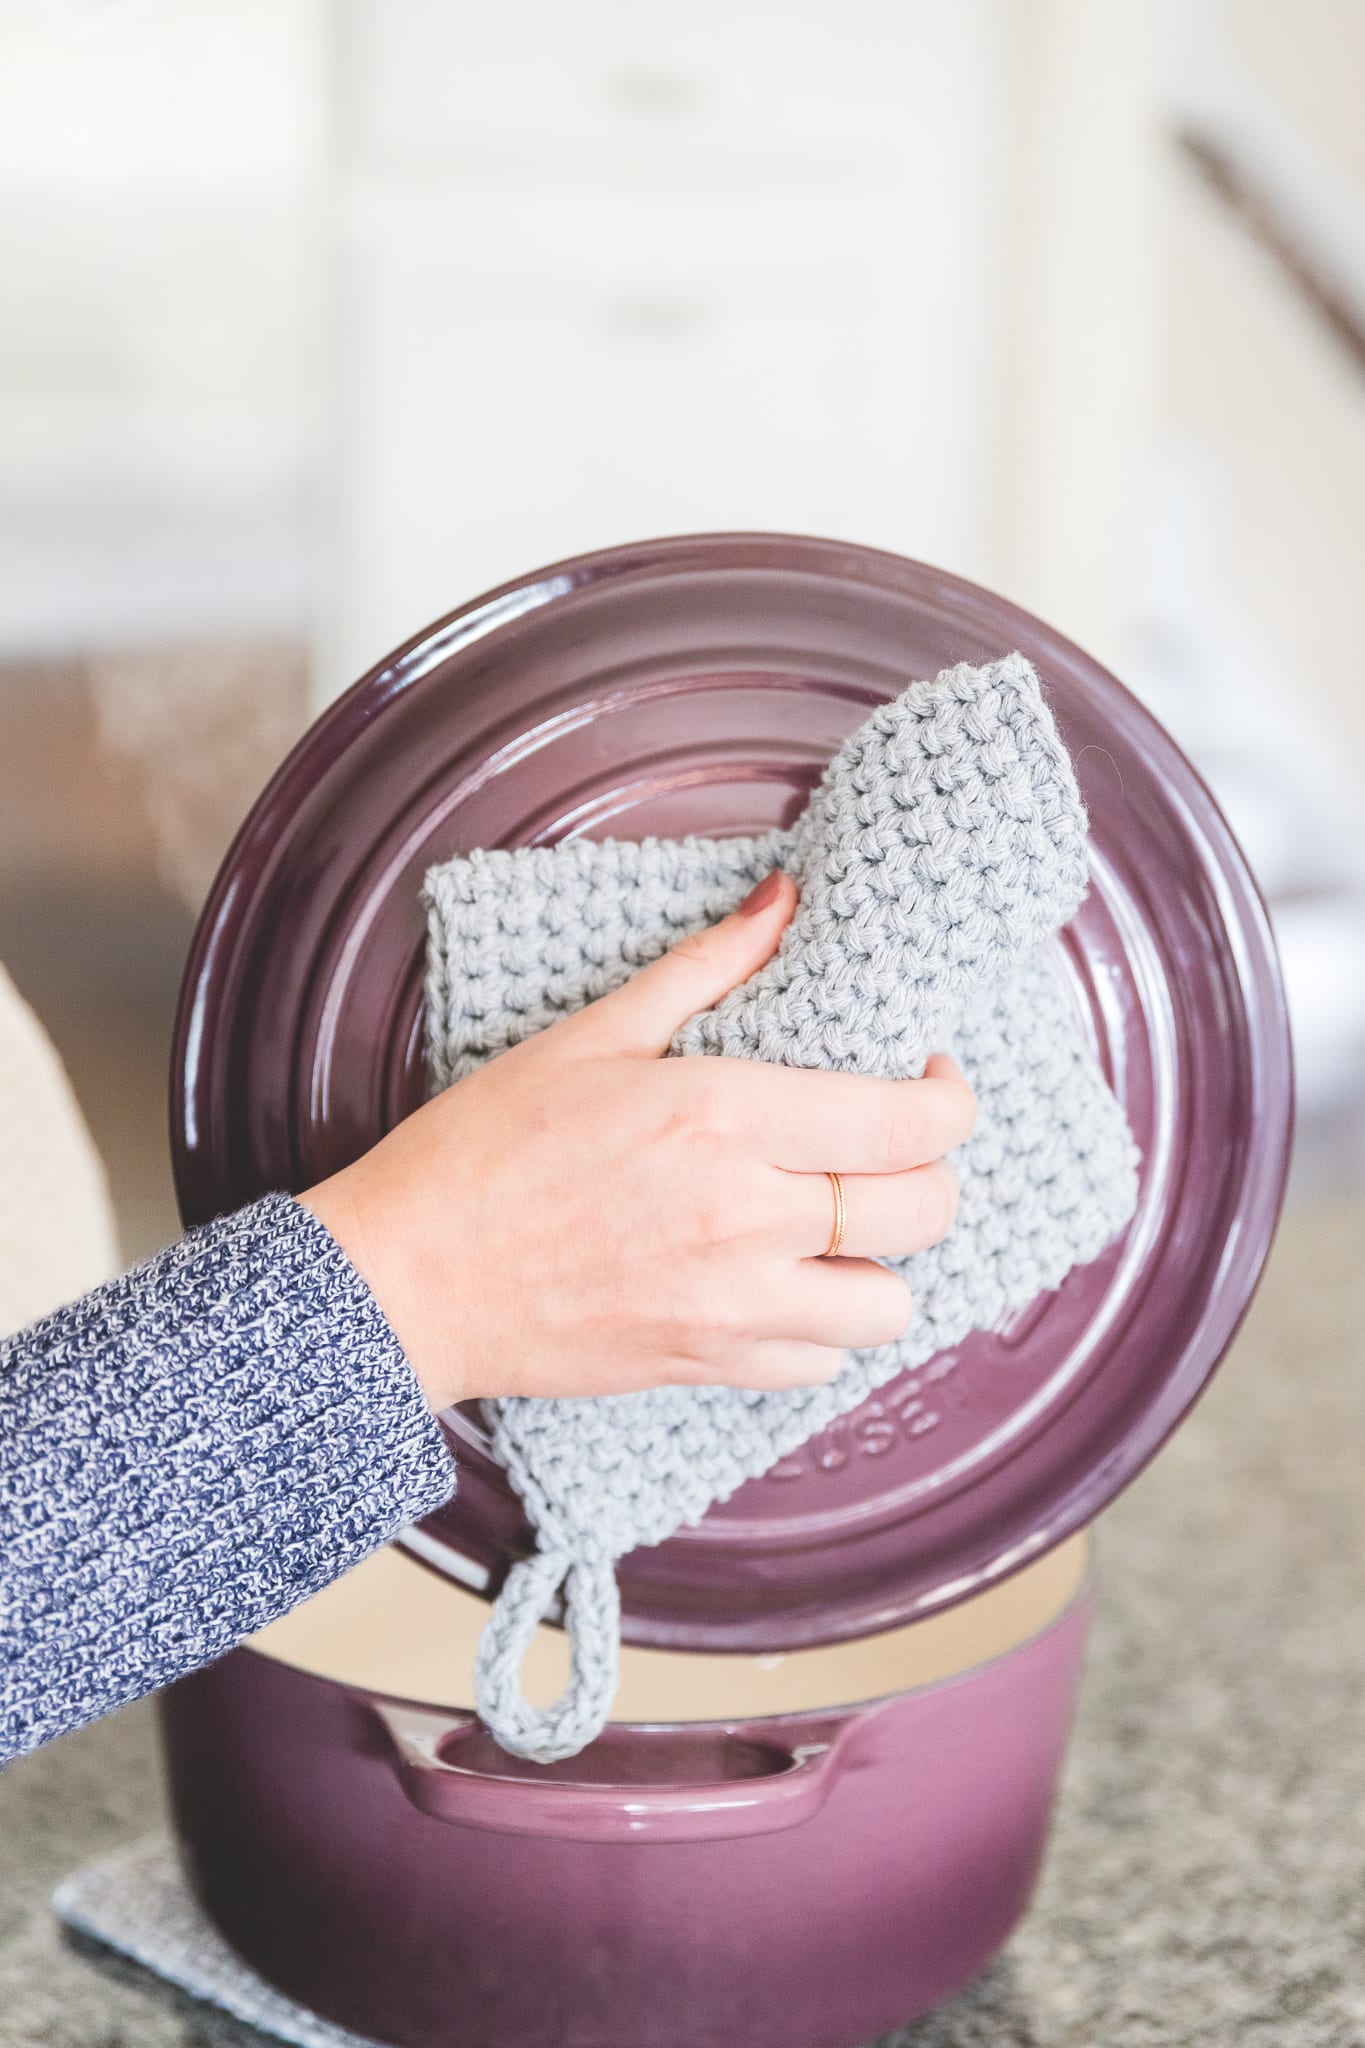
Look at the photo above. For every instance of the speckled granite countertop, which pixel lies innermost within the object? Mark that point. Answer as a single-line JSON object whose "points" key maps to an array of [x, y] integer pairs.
{"points": [[1206, 1882]]}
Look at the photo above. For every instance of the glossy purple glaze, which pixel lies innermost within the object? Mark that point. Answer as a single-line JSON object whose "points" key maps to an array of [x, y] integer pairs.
{"points": [[700, 684], [341, 1865], [698, 1785]]}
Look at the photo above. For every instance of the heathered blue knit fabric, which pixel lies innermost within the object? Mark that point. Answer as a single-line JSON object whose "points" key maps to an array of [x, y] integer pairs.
{"points": [[188, 1452]]}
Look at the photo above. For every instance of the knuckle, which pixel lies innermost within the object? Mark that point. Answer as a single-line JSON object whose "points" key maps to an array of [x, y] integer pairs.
{"points": [[812, 1365], [716, 1216], [715, 1119], [717, 1300], [708, 1224], [940, 1196], [903, 1133], [750, 1207], [692, 1115], [726, 1209], [890, 1308], [742, 1365], [796, 1364], [734, 1362], [693, 947], [967, 1110], [700, 1360], [705, 1101]]}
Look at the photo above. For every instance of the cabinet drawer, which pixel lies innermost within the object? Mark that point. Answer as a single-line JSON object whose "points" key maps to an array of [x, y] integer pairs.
{"points": [[585, 368], [606, 82]]}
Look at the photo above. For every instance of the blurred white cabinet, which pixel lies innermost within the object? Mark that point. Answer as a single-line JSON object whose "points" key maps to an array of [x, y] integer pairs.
{"points": [[337, 309], [1260, 405], [158, 168], [555, 369], [622, 269], [712, 86]]}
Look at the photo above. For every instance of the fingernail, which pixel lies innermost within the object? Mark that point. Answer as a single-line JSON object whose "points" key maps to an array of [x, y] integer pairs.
{"points": [[762, 894]]}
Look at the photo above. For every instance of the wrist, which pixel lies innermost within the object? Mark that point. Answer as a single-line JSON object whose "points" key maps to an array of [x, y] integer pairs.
{"points": [[343, 1206]]}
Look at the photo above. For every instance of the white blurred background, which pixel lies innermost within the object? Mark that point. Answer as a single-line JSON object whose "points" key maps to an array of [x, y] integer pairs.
{"points": [[319, 316]]}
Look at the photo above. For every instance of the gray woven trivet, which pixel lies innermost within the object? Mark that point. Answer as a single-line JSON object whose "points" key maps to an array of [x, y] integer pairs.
{"points": [[137, 1901], [942, 851]]}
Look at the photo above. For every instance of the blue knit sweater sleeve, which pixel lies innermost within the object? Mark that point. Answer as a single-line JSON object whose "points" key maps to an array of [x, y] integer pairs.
{"points": [[188, 1452]]}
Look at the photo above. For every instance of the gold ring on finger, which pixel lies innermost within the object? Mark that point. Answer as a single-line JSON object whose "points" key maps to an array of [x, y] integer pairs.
{"points": [[836, 1236]]}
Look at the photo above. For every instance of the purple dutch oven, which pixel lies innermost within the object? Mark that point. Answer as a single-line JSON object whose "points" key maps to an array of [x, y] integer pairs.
{"points": [[812, 1874]]}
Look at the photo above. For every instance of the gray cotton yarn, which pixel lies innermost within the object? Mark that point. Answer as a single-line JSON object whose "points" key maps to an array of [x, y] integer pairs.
{"points": [[943, 849]]}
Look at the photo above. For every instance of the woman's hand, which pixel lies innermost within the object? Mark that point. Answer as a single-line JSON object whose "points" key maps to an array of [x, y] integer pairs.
{"points": [[583, 1216]]}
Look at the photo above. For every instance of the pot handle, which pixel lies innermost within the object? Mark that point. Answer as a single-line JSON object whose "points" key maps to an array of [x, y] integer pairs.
{"points": [[787, 1792]]}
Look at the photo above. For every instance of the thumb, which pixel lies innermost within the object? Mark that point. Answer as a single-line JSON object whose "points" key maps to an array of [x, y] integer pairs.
{"points": [[642, 1016]]}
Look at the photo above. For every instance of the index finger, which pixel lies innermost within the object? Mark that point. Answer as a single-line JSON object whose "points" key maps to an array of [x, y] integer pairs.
{"points": [[812, 1121]]}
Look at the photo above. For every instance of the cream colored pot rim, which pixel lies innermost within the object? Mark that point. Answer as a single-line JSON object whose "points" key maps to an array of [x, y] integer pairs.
{"points": [[1074, 1560], [737, 1722]]}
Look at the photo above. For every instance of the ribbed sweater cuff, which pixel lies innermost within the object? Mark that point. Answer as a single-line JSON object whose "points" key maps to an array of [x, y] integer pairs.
{"points": [[188, 1452]]}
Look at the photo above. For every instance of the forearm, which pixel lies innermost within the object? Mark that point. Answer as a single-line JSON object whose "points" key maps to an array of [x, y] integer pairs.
{"points": [[188, 1452]]}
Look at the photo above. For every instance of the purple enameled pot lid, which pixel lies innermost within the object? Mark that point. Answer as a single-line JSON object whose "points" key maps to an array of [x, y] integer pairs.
{"points": [[699, 685]]}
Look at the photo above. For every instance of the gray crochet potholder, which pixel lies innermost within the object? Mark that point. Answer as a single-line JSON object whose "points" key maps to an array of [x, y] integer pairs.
{"points": [[943, 849]]}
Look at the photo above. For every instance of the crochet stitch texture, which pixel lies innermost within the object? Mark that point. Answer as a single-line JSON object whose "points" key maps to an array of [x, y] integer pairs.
{"points": [[942, 850]]}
